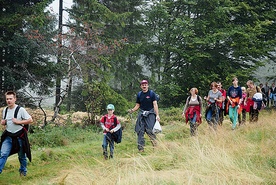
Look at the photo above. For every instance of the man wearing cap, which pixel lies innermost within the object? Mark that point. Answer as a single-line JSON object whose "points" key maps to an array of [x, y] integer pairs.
{"points": [[146, 101]]}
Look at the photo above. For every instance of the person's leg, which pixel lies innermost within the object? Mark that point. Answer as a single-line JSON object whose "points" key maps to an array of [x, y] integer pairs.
{"points": [[104, 145], [111, 147], [5, 151], [243, 116], [240, 119], [141, 138], [251, 114], [209, 117], [193, 125], [231, 114], [255, 115], [22, 159], [235, 117], [215, 117]]}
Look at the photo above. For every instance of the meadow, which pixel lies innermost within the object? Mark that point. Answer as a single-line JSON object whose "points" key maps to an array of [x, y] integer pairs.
{"points": [[72, 154]]}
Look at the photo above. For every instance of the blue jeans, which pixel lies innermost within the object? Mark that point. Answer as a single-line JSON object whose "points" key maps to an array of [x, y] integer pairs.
{"points": [[213, 117], [193, 125], [107, 141], [5, 151]]}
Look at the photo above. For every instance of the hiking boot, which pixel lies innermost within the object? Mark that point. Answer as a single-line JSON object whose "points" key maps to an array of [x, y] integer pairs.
{"points": [[141, 150], [105, 154], [22, 174], [111, 157], [154, 143]]}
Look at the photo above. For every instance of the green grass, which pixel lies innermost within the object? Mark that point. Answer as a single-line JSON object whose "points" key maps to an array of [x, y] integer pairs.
{"points": [[70, 155]]}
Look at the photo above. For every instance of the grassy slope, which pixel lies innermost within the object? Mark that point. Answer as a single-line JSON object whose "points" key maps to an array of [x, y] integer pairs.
{"points": [[244, 156]]}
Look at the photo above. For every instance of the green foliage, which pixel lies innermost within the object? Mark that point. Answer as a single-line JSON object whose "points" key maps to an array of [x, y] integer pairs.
{"points": [[62, 136], [23, 47]]}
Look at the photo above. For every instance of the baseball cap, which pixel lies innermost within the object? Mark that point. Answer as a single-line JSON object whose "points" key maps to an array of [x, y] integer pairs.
{"points": [[144, 82], [110, 107]]}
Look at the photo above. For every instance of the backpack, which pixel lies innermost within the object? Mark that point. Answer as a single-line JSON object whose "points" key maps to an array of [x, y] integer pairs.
{"points": [[157, 97], [25, 126], [198, 99], [116, 136]]}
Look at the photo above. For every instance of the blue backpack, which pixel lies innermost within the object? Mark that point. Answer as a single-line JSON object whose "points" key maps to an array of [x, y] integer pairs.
{"points": [[157, 97]]}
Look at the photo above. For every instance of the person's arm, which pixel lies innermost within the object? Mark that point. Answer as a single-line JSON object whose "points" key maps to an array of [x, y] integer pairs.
{"points": [[155, 107], [22, 122], [201, 105], [118, 126], [185, 107], [135, 108]]}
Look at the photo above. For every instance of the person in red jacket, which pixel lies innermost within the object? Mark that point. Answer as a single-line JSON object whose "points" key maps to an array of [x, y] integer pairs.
{"points": [[222, 104], [193, 110], [110, 124]]}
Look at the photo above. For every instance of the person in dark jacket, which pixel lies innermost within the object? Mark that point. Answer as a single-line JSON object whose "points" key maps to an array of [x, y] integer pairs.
{"points": [[14, 139], [146, 101]]}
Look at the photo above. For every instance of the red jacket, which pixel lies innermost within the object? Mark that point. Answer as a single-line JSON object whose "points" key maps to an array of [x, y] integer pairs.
{"points": [[190, 113]]}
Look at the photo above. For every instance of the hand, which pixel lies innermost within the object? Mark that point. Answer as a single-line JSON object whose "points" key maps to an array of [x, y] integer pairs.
{"points": [[15, 121], [107, 129], [130, 111], [111, 131], [183, 115], [158, 118], [3, 122]]}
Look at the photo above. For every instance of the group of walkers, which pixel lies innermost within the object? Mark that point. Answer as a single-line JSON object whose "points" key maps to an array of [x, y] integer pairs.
{"points": [[235, 102]]}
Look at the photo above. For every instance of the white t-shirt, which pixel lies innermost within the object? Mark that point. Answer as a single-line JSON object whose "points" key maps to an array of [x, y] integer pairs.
{"points": [[258, 96], [22, 115]]}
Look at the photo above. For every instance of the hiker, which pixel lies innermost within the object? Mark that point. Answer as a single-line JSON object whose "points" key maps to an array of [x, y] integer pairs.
{"points": [[234, 96], [15, 139], [223, 104], [249, 103], [272, 94], [266, 90], [193, 110], [212, 111], [258, 100], [110, 125], [146, 101], [242, 115]]}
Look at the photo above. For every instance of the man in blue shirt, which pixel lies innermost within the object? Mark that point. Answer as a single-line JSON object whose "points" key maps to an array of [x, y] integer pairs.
{"points": [[147, 103]]}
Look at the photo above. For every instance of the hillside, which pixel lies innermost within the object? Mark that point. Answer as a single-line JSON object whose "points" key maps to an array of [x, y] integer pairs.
{"points": [[71, 155]]}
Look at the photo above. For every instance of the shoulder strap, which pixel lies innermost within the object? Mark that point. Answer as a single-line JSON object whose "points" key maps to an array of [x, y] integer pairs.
{"points": [[6, 111], [198, 99], [189, 98], [115, 121], [15, 112], [139, 94]]}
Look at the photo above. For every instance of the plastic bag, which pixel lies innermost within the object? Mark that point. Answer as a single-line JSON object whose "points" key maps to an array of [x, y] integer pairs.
{"points": [[157, 127]]}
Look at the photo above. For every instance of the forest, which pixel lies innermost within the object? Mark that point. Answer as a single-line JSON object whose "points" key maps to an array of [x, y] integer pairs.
{"points": [[105, 48]]}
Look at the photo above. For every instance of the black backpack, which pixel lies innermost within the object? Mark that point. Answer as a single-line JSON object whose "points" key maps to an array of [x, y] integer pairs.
{"points": [[116, 136], [25, 126], [198, 99]]}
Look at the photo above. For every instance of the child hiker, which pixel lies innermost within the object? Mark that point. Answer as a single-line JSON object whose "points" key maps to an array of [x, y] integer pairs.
{"points": [[110, 125]]}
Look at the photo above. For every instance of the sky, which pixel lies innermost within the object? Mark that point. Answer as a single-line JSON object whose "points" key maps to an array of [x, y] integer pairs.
{"points": [[55, 7]]}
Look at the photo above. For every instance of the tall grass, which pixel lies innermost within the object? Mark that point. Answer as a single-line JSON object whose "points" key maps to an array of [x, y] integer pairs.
{"points": [[243, 156]]}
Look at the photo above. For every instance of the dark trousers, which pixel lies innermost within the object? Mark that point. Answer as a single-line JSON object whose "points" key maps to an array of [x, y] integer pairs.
{"points": [[253, 115], [242, 117]]}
